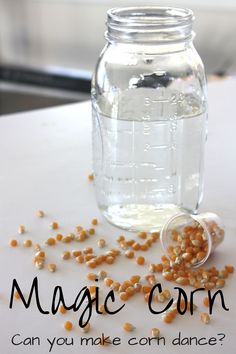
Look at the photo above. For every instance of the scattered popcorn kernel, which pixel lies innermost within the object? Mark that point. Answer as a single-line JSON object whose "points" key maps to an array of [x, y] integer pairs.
{"points": [[81, 236], [130, 291], [120, 238], [128, 327], [79, 259], [167, 318], [40, 213], [129, 254], [137, 287], [78, 228], [152, 268], [92, 289], [91, 276], [86, 328], [155, 236], [102, 274], [89, 257], [101, 243], [155, 332], [109, 259], [72, 235], [50, 241], [108, 281], [66, 255], [144, 247], [166, 293], [39, 264], [52, 267], [146, 297], [123, 296], [206, 301], [161, 297], [91, 264], [76, 253], [136, 246], [146, 289], [87, 250], [40, 254], [159, 267], [140, 260], [90, 177], [13, 243], [220, 283], [142, 235], [102, 309], [229, 268], [54, 225], [68, 325], [27, 243], [37, 247], [16, 295], [66, 239], [115, 286], [94, 221], [205, 318], [134, 279], [21, 229], [62, 309]]}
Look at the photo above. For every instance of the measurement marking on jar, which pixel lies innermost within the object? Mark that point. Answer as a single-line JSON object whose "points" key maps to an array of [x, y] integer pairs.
{"points": [[122, 164], [149, 147], [159, 190], [151, 164], [111, 179], [136, 165]]}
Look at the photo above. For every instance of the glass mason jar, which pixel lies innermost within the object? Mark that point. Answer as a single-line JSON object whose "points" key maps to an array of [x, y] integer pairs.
{"points": [[149, 118]]}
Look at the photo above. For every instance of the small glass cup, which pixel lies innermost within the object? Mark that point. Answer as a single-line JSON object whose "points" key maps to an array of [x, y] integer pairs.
{"points": [[190, 239]]}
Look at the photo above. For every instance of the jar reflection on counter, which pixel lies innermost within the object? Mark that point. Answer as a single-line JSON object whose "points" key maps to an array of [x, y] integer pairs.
{"points": [[149, 118]]}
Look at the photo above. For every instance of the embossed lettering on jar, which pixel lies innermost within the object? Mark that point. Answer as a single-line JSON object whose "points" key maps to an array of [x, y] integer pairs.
{"points": [[149, 118]]}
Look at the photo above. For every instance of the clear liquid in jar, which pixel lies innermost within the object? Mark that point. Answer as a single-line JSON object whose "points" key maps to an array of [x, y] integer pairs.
{"points": [[148, 169]]}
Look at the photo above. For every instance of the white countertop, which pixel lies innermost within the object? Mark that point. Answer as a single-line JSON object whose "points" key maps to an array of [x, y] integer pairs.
{"points": [[45, 158]]}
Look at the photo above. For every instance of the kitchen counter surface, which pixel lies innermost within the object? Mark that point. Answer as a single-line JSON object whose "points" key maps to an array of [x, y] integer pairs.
{"points": [[45, 158]]}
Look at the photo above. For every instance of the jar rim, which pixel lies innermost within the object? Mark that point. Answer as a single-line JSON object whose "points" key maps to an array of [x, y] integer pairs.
{"points": [[149, 24], [151, 15]]}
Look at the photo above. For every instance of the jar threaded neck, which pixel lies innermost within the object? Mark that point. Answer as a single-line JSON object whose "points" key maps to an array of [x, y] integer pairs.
{"points": [[149, 24]]}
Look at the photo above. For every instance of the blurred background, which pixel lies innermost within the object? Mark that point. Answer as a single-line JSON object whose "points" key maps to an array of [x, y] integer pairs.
{"points": [[48, 48]]}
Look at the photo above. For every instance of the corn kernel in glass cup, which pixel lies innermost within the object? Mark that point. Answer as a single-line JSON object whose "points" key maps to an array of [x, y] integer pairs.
{"points": [[190, 239]]}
